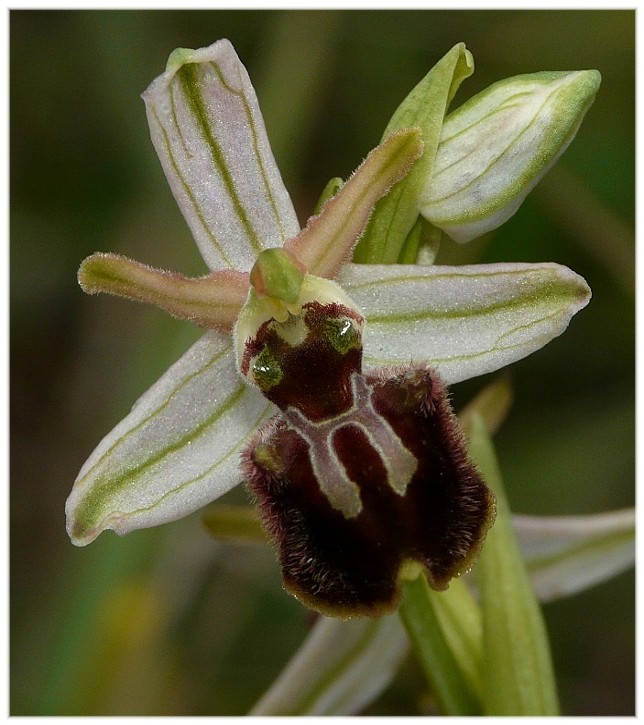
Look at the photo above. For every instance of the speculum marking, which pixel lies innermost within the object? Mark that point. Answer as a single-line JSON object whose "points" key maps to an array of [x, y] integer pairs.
{"points": [[331, 475]]}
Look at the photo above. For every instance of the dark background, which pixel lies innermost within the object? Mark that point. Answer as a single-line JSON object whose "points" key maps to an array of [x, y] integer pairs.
{"points": [[166, 621]]}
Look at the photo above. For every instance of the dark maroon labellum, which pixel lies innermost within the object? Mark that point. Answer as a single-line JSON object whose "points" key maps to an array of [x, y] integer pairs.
{"points": [[359, 473]]}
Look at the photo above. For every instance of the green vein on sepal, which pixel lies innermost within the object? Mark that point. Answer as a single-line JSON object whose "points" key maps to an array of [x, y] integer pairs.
{"points": [[188, 77], [219, 355], [89, 509], [167, 146], [339, 669], [550, 291], [566, 554]]}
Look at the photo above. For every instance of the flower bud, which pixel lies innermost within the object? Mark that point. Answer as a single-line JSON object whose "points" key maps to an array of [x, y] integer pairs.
{"points": [[497, 146]]}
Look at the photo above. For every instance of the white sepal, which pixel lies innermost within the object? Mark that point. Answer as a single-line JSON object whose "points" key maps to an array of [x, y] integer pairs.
{"points": [[175, 452], [341, 667], [464, 321], [567, 554], [209, 133]]}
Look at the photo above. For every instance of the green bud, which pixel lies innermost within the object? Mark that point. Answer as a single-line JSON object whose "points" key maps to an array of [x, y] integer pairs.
{"points": [[424, 108], [330, 190], [497, 146]]}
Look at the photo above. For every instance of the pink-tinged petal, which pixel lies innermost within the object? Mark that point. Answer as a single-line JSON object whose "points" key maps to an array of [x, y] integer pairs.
{"points": [[213, 301], [176, 451], [464, 321], [208, 130], [329, 239]]}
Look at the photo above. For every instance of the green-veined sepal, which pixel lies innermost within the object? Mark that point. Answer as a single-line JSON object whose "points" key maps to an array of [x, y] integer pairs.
{"points": [[175, 452], [567, 554], [209, 133], [464, 321], [340, 668]]}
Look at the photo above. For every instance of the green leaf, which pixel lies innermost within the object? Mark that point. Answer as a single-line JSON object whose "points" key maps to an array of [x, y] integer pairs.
{"points": [[425, 107], [517, 669], [460, 618]]}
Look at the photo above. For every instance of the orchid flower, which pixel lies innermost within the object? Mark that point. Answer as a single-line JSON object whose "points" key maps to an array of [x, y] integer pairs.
{"points": [[308, 357]]}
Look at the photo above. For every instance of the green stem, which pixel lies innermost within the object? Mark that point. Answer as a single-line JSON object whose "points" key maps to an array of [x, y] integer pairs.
{"points": [[460, 619], [518, 676], [418, 613]]}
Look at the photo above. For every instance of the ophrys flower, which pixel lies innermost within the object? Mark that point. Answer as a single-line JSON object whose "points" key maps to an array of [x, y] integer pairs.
{"points": [[180, 447]]}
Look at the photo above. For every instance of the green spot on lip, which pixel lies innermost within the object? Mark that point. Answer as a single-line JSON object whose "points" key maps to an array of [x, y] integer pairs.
{"points": [[267, 371], [342, 335]]}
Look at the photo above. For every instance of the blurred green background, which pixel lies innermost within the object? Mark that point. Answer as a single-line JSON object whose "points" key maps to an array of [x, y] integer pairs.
{"points": [[167, 621]]}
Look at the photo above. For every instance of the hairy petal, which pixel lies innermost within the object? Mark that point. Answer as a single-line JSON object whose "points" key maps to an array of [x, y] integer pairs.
{"points": [[209, 133], [213, 301], [176, 451], [464, 321], [329, 238]]}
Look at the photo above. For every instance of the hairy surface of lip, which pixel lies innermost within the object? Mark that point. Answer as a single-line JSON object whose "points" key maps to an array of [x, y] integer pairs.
{"points": [[360, 473]]}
